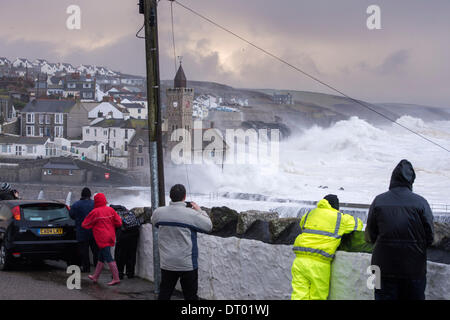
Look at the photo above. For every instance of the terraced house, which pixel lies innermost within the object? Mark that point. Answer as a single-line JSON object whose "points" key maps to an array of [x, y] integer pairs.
{"points": [[53, 118]]}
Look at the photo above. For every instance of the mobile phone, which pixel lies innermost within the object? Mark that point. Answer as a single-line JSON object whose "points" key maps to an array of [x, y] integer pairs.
{"points": [[188, 204]]}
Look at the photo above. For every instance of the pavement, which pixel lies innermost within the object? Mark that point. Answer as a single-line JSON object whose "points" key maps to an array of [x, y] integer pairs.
{"points": [[48, 281]]}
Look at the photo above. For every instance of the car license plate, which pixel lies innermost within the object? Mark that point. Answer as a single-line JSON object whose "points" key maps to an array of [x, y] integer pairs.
{"points": [[50, 231]]}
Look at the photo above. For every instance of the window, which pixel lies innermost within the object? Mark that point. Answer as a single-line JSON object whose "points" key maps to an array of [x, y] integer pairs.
{"points": [[59, 119], [105, 132], [103, 149], [87, 131], [41, 131], [139, 162], [59, 131], [139, 110], [41, 119], [95, 132], [70, 172], [126, 133], [47, 119], [114, 144], [30, 117], [18, 150], [47, 131], [87, 95], [71, 85], [140, 147], [86, 85], [4, 148], [31, 149], [126, 146], [114, 133], [30, 130]]}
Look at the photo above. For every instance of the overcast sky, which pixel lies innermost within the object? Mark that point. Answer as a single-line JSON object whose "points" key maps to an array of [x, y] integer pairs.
{"points": [[406, 61]]}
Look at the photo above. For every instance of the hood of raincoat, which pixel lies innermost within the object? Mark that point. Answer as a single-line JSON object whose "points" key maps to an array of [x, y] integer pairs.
{"points": [[324, 204], [403, 175], [99, 200]]}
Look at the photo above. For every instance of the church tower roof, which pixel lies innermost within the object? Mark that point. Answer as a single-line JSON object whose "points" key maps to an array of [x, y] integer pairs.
{"points": [[180, 79]]}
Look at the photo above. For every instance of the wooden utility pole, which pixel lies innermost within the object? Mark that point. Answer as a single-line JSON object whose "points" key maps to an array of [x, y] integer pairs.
{"points": [[149, 9], [153, 89]]}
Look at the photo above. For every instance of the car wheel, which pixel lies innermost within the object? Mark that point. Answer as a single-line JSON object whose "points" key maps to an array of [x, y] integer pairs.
{"points": [[5, 258]]}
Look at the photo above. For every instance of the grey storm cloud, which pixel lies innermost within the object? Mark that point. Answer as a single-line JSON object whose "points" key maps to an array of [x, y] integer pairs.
{"points": [[395, 62], [328, 39]]}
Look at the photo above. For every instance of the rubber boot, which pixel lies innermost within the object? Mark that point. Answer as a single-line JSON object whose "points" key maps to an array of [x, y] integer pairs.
{"points": [[98, 270], [115, 273]]}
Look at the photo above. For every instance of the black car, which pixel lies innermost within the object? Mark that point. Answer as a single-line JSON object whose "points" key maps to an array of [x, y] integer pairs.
{"points": [[35, 230]]}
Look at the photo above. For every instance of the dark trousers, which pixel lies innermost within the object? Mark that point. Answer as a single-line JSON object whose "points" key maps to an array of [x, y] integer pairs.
{"points": [[188, 281], [401, 289], [125, 254], [83, 249]]}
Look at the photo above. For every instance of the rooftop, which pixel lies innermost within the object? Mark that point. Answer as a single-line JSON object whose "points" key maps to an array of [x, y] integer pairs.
{"points": [[6, 139], [44, 105]]}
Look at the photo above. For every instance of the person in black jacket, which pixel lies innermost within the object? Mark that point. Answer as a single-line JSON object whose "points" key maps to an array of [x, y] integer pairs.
{"points": [[127, 238], [400, 224], [85, 238], [6, 192]]}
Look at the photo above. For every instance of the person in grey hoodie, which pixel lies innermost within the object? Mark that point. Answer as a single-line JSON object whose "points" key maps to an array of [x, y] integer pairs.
{"points": [[177, 239]]}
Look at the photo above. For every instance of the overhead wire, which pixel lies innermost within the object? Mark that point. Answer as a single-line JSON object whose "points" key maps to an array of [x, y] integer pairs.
{"points": [[361, 103], [175, 64]]}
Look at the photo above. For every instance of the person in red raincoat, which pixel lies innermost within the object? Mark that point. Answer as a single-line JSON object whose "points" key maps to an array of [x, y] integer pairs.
{"points": [[103, 221]]}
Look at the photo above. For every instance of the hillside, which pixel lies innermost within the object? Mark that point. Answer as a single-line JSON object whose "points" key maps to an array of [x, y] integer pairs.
{"points": [[308, 108]]}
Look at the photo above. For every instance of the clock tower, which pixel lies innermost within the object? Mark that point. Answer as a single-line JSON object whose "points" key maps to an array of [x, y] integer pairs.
{"points": [[179, 104]]}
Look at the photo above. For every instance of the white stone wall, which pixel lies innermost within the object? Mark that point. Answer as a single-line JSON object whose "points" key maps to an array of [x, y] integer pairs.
{"points": [[240, 269]]}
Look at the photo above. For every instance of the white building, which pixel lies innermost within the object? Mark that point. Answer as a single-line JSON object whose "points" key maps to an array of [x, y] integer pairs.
{"points": [[4, 61], [136, 110], [23, 147], [22, 63], [65, 67], [116, 135], [104, 109], [92, 150]]}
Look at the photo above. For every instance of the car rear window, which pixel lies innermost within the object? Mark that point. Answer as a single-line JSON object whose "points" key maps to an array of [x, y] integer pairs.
{"points": [[45, 212]]}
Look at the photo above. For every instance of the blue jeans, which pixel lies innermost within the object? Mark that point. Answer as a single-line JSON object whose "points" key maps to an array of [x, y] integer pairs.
{"points": [[104, 255], [401, 289]]}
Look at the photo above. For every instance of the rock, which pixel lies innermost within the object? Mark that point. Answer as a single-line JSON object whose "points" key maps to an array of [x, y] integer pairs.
{"points": [[222, 219], [247, 218], [207, 210], [441, 235], [283, 230], [259, 230], [143, 213]]}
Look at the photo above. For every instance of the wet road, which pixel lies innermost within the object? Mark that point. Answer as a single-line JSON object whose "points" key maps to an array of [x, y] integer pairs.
{"points": [[47, 281]]}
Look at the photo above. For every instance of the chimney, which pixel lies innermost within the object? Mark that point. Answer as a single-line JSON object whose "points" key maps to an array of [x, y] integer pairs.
{"points": [[109, 115]]}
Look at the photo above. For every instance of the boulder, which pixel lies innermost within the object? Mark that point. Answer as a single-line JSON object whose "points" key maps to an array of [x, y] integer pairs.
{"points": [[144, 214], [441, 235], [224, 221], [284, 230], [247, 218], [258, 230]]}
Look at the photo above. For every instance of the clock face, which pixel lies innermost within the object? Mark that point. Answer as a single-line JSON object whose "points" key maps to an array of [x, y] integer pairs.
{"points": [[175, 104]]}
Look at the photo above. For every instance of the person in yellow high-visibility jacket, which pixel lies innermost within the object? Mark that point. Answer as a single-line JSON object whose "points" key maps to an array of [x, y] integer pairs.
{"points": [[322, 229]]}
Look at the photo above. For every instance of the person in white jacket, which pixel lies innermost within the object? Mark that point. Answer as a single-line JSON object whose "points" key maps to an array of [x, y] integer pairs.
{"points": [[177, 240]]}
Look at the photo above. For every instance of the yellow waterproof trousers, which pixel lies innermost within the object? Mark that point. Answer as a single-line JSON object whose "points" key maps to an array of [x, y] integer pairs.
{"points": [[310, 279]]}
